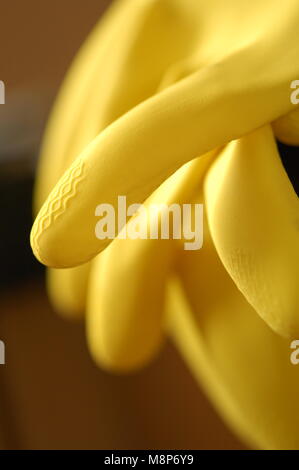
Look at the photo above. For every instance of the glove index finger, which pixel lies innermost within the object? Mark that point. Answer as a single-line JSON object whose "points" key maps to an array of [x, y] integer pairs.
{"points": [[136, 153]]}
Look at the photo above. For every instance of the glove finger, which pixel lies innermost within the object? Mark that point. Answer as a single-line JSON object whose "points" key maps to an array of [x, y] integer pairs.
{"points": [[127, 286], [63, 141], [241, 363], [86, 105], [123, 161], [253, 217], [125, 302]]}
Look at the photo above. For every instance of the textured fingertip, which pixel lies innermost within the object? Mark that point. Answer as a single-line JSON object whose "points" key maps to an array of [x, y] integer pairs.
{"points": [[34, 244], [48, 241], [44, 250]]}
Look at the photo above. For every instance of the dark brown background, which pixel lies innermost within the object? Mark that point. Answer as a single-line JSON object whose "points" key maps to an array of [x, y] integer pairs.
{"points": [[51, 394]]}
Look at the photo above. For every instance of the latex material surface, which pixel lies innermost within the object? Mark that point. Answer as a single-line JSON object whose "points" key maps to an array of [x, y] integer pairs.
{"points": [[180, 80]]}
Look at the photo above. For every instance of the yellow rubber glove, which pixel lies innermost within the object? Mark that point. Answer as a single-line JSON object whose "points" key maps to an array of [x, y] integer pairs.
{"points": [[126, 292], [204, 78], [229, 77]]}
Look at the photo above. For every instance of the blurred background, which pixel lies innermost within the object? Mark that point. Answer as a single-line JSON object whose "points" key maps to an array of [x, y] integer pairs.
{"points": [[52, 396]]}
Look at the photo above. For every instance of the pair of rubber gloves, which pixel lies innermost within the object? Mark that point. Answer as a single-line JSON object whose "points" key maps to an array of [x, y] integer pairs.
{"points": [[180, 101]]}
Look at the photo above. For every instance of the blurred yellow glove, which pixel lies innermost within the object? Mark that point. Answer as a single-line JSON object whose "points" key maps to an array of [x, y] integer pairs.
{"points": [[178, 79]]}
